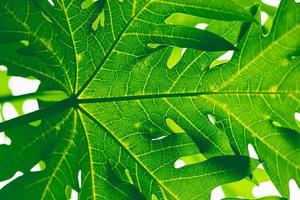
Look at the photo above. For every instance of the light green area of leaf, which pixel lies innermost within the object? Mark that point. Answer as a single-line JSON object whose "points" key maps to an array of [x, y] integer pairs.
{"points": [[263, 198], [6, 92], [244, 188], [174, 127], [100, 20], [4, 89], [87, 3], [175, 57]]}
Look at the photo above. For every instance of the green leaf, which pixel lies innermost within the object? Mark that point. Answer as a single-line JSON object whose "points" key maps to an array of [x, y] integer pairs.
{"points": [[263, 198], [128, 119], [244, 188], [266, 65]]}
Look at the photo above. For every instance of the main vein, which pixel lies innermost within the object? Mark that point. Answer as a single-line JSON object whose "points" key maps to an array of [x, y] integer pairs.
{"points": [[174, 95], [45, 112]]}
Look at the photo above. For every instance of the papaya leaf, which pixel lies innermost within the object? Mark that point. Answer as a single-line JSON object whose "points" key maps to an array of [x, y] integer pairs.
{"points": [[118, 123]]}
